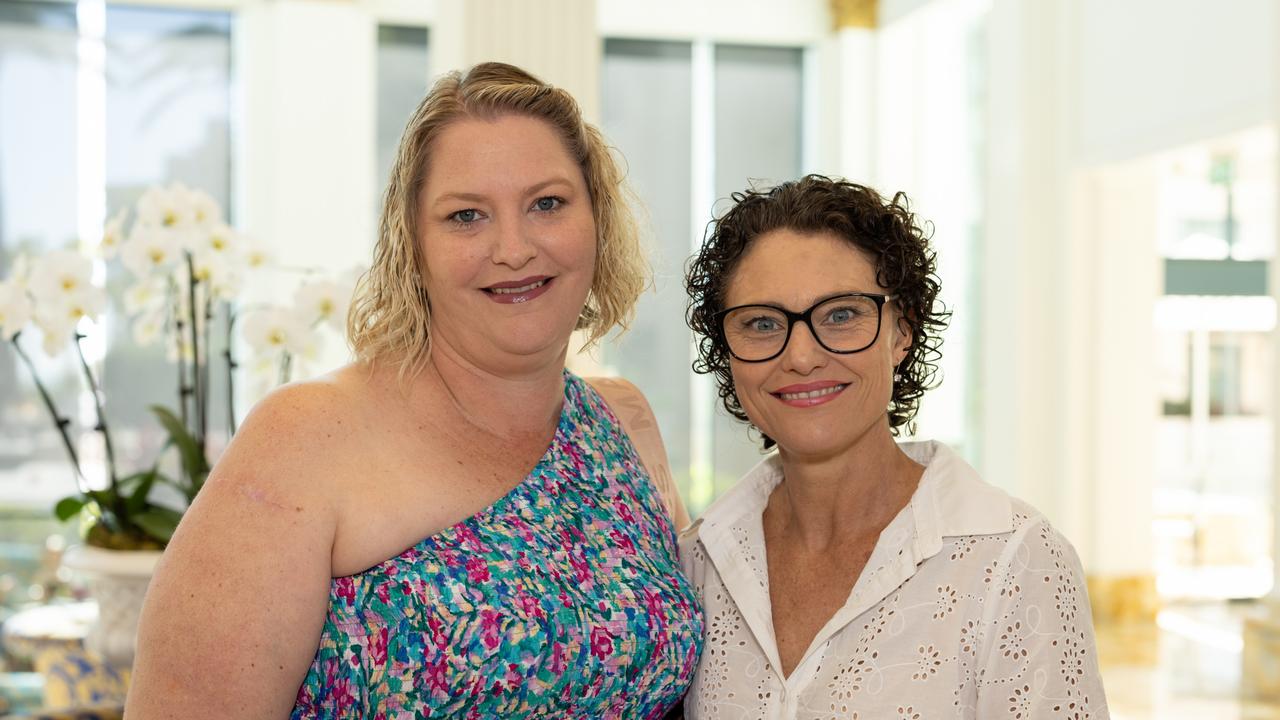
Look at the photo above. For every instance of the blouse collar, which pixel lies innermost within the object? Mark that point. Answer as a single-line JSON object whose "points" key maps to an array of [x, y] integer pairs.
{"points": [[950, 500]]}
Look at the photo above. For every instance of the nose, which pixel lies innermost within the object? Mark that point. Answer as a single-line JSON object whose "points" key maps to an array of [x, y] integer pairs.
{"points": [[803, 354], [513, 246]]}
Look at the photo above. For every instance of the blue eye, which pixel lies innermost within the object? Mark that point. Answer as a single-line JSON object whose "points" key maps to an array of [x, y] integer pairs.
{"points": [[547, 204], [841, 315], [465, 217], [763, 324]]}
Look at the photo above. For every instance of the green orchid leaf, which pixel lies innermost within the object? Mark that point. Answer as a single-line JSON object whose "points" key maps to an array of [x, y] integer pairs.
{"points": [[193, 460], [104, 498], [69, 507], [137, 500], [157, 522]]}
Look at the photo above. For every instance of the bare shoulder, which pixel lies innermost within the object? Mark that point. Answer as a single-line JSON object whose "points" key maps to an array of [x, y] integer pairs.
{"points": [[627, 402], [300, 436], [632, 409], [245, 580], [324, 408]]}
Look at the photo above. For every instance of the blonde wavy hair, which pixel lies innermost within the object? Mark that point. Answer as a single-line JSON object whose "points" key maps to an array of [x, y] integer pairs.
{"points": [[390, 317]]}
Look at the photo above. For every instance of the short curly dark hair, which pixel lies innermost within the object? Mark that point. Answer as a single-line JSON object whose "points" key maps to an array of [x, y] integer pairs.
{"points": [[886, 230]]}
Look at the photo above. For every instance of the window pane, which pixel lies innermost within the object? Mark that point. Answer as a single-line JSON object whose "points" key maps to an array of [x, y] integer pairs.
{"points": [[402, 82], [757, 142], [37, 211], [168, 115], [654, 139]]}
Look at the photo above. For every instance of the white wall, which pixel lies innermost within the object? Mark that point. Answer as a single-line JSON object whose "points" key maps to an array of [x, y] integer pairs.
{"points": [[1156, 74], [761, 22], [1275, 346], [553, 39], [1077, 90], [305, 152]]}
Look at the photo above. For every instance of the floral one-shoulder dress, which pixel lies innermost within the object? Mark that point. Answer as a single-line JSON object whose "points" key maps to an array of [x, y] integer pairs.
{"points": [[563, 599]]}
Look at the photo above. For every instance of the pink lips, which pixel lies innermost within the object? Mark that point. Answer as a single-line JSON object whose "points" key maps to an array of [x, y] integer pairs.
{"points": [[518, 291], [810, 394]]}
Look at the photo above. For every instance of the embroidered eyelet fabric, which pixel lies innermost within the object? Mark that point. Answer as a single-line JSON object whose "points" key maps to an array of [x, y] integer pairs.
{"points": [[563, 599], [970, 606]]}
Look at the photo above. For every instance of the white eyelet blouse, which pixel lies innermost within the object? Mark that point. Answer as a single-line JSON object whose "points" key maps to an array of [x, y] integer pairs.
{"points": [[970, 606]]}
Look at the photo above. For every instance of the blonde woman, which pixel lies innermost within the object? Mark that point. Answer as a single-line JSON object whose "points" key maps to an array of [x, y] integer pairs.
{"points": [[454, 525]]}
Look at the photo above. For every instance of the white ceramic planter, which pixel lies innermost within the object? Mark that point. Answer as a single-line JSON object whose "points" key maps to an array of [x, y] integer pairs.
{"points": [[118, 581]]}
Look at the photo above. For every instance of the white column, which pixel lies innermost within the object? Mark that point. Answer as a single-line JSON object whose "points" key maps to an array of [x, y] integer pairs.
{"points": [[1126, 272], [843, 105], [1071, 275], [305, 153], [702, 168], [1026, 296], [556, 40], [1275, 356]]}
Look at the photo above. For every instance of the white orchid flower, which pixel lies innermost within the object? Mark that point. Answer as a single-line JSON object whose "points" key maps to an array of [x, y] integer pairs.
{"points": [[20, 271], [324, 301], [170, 208], [219, 239], [226, 285], [204, 210], [274, 331], [113, 235], [15, 309], [148, 326], [174, 215], [87, 302], [209, 267], [145, 296], [57, 325], [254, 254], [150, 250], [58, 276]]}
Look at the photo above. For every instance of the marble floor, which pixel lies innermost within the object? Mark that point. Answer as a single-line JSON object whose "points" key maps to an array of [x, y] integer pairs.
{"points": [[1187, 667]]}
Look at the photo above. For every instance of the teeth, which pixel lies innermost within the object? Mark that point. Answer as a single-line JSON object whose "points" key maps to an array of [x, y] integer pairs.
{"points": [[812, 393], [518, 290]]}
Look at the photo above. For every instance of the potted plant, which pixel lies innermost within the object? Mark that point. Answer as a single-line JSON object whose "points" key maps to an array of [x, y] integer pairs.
{"points": [[188, 267]]}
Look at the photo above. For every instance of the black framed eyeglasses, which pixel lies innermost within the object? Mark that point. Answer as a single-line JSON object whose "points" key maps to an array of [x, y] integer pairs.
{"points": [[842, 324]]}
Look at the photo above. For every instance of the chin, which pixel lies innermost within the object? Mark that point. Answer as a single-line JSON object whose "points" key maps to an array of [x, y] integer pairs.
{"points": [[531, 341], [809, 441]]}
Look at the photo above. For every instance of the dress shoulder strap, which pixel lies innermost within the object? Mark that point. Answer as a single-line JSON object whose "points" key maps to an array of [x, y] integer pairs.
{"points": [[631, 408]]}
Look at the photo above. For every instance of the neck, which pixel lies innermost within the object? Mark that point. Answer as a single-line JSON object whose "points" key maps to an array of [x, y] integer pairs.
{"points": [[504, 402], [825, 500]]}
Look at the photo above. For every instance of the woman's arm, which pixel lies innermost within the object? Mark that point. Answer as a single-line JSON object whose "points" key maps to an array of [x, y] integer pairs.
{"points": [[233, 615], [633, 411]]}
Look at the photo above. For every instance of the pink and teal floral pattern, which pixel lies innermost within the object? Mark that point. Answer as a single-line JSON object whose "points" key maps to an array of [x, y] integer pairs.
{"points": [[563, 599]]}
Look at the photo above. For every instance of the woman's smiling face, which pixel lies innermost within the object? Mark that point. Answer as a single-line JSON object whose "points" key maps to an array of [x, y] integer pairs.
{"points": [[508, 238], [813, 402]]}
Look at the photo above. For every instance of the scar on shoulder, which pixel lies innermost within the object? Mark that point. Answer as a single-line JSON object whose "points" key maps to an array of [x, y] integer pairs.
{"points": [[259, 496]]}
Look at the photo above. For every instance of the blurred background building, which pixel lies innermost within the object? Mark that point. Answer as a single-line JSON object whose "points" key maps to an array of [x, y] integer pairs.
{"points": [[1101, 177]]}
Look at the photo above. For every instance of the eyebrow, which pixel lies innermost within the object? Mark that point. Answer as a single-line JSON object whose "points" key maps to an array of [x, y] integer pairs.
{"points": [[819, 301], [477, 197]]}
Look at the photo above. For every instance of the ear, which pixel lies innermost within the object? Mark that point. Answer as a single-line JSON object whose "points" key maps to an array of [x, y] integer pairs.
{"points": [[901, 340]]}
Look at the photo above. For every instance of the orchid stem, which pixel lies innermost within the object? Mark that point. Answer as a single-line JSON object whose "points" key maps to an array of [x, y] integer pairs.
{"points": [[231, 371], [59, 421], [286, 367], [204, 370], [179, 330], [101, 427], [198, 420]]}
